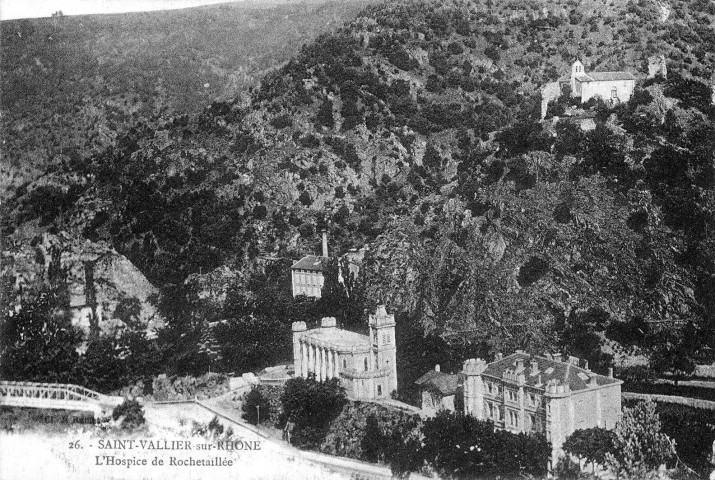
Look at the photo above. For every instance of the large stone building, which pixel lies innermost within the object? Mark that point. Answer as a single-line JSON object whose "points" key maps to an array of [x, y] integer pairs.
{"points": [[526, 393], [364, 364], [612, 87]]}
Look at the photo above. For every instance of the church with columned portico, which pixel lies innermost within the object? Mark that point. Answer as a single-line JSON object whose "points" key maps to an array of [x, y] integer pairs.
{"points": [[364, 364]]}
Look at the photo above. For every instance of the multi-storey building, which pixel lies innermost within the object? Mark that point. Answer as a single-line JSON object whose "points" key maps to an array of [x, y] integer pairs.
{"points": [[307, 273], [526, 393], [365, 364]]}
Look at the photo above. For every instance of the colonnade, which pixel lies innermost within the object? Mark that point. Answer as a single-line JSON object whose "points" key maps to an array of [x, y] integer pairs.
{"points": [[321, 361]]}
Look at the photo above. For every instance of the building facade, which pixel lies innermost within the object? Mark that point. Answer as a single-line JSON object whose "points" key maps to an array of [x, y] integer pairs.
{"points": [[612, 87], [364, 364], [307, 276], [550, 395], [439, 391]]}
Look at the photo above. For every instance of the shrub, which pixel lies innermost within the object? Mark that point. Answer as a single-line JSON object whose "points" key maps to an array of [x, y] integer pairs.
{"points": [[281, 121], [131, 414], [215, 426]]}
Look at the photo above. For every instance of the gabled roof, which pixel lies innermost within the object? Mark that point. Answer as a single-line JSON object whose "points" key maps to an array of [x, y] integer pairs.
{"points": [[606, 76], [582, 77], [445, 383], [566, 373], [598, 77], [310, 262]]}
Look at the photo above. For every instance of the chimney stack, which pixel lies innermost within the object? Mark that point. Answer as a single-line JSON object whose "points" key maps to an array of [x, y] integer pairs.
{"points": [[325, 243], [610, 372], [436, 368], [534, 366]]}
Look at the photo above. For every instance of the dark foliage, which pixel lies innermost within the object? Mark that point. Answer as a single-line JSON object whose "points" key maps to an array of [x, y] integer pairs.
{"points": [[131, 413]]}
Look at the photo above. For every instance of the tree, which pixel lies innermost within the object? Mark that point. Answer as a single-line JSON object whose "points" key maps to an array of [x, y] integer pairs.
{"points": [[373, 440], [255, 405], [640, 446], [591, 444], [673, 353], [38, 342], [311, 406], [324, 116]]}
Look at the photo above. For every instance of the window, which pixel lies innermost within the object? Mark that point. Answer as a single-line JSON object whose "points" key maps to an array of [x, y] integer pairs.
{"points": [[513, 418], [366, 364], [511, 395], [614, 92], [532, 399], [379, 390], [386, 339], [345, 363]]}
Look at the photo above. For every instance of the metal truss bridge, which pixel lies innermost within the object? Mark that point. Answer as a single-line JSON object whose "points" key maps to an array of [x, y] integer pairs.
{"points": [[56, 396]]}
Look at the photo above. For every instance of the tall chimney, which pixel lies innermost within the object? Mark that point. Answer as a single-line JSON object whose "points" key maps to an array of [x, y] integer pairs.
{"points": [[436, 368], [325, 243]]}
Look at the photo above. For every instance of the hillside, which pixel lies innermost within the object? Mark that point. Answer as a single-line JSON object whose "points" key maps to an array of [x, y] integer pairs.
{"points": [[71, 85], [415, 129]]}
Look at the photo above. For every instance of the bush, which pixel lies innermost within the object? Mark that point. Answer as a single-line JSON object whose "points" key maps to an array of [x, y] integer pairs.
{"points": [[215, 426], [131, 414]]}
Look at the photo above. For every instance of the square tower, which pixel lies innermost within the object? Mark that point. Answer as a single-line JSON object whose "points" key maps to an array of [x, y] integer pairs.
{"points": [[382, 340]]}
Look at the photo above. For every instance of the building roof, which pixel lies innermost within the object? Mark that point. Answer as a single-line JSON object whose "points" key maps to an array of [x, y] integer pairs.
{"points": [[342, 340], [606, 76], [582, 77], [445, 383], [565, 373], [597, 77], [310, 262]]}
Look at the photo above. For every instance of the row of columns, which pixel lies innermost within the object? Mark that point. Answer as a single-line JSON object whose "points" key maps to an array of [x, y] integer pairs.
{"points": [[320, 361]]}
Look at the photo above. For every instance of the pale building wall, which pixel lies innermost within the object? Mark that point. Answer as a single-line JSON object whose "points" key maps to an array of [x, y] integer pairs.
{"points": [[306, 282], [604, 88]]}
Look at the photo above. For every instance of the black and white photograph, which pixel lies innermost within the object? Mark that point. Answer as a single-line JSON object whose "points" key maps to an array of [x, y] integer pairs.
{"points": [[357, 239]]}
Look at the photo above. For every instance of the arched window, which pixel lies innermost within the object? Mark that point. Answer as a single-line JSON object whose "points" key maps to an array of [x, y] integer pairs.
{"points": [[366, 364], [379, 390]]}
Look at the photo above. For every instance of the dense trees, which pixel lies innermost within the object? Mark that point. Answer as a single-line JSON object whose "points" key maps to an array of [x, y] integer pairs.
{"points": [[488, 231], [310, 406]]}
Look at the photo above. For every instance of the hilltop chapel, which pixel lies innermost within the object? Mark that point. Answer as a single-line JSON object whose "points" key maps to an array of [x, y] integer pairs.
{"points": [[612, 87]]}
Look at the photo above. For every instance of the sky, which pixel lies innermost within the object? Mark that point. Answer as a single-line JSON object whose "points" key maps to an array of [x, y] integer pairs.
{"points": [[10, 9]]}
